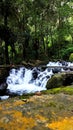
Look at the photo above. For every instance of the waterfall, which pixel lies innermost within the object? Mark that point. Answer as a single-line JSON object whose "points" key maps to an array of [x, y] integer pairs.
{"points": [[23, 80]]}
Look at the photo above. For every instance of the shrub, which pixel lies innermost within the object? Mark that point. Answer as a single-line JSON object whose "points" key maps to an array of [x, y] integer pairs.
{"points": [[66, 53], [71, 57]]}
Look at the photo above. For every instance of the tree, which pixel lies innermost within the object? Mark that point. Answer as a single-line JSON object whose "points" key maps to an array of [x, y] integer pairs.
{"points": [[41, 26], [7, 9]]}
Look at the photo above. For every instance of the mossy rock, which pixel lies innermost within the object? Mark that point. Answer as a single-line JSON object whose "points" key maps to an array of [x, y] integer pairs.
{"points": [[55, 81], [61, 79]]}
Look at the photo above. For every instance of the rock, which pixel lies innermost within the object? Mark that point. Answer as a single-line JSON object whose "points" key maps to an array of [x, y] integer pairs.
{"points": [[35, 73], [60, 79], [11, 94], [4, 72], [3, 88], [4, 120], [27, 64], [24, 100], [38, 93], [64, 63], [55, 81], [33, 63], [68, 80], [56, 70]]}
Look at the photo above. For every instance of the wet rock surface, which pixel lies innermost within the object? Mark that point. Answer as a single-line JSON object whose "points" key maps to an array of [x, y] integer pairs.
{"points": [[3, 88], [38, 112], [3, 75]]}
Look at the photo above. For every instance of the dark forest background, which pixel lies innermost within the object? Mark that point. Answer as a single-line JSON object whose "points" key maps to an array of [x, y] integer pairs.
{"points": [[36, 29]]}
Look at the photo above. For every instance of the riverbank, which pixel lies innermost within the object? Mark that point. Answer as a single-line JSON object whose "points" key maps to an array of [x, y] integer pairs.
{"points": [[44, 111]]}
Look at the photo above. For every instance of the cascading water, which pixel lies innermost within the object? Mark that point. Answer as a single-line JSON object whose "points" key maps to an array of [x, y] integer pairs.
{"points": [[23, 80]]}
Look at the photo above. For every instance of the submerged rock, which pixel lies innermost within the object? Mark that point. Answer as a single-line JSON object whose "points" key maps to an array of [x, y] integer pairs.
{"points": [[35, 73]]}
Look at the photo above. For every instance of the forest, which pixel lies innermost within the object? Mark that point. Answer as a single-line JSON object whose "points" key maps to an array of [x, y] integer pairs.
{"points": [[36, 29]]}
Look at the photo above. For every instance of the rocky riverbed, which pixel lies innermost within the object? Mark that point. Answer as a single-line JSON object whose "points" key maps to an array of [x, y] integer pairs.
{"points": [[38, 112]]}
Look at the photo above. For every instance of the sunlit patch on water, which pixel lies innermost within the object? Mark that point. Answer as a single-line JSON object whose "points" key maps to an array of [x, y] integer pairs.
{"points": [[63, 124]]}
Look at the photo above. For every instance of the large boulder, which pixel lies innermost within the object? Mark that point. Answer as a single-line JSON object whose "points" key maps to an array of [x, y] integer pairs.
{"points": [[60, 79]]}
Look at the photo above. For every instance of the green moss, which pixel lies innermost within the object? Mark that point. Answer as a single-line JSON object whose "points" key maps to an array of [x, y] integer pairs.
{"points": [[61, 107], [26, 96], [67, 90], [52, 91], [52, 104]]}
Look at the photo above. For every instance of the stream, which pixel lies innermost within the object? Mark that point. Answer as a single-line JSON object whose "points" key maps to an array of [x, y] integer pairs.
{"points": [[23, 80]]}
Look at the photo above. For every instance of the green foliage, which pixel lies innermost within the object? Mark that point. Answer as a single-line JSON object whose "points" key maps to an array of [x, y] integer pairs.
{"points": [[51, 22], [66, 53], [71, 57]]}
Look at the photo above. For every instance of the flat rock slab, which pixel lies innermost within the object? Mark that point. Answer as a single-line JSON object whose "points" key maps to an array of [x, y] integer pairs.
{"points": [[44, 112]]}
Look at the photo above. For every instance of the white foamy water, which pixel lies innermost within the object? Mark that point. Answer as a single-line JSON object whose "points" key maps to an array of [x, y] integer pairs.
{"points": [[22, 80], [4, 97], [54, 64], [25, 80]]}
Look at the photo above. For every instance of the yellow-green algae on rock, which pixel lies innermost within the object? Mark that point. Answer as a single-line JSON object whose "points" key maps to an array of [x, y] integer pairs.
{"points": [[62, 124], [44, 112]]}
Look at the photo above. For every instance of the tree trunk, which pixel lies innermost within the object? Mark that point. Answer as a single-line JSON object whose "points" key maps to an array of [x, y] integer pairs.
{"points": [[6, 42], [60, 35], [6, 53]]}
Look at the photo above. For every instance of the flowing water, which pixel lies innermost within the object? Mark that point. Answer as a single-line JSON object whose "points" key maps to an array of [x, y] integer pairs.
{"points": [[23, 80]]}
